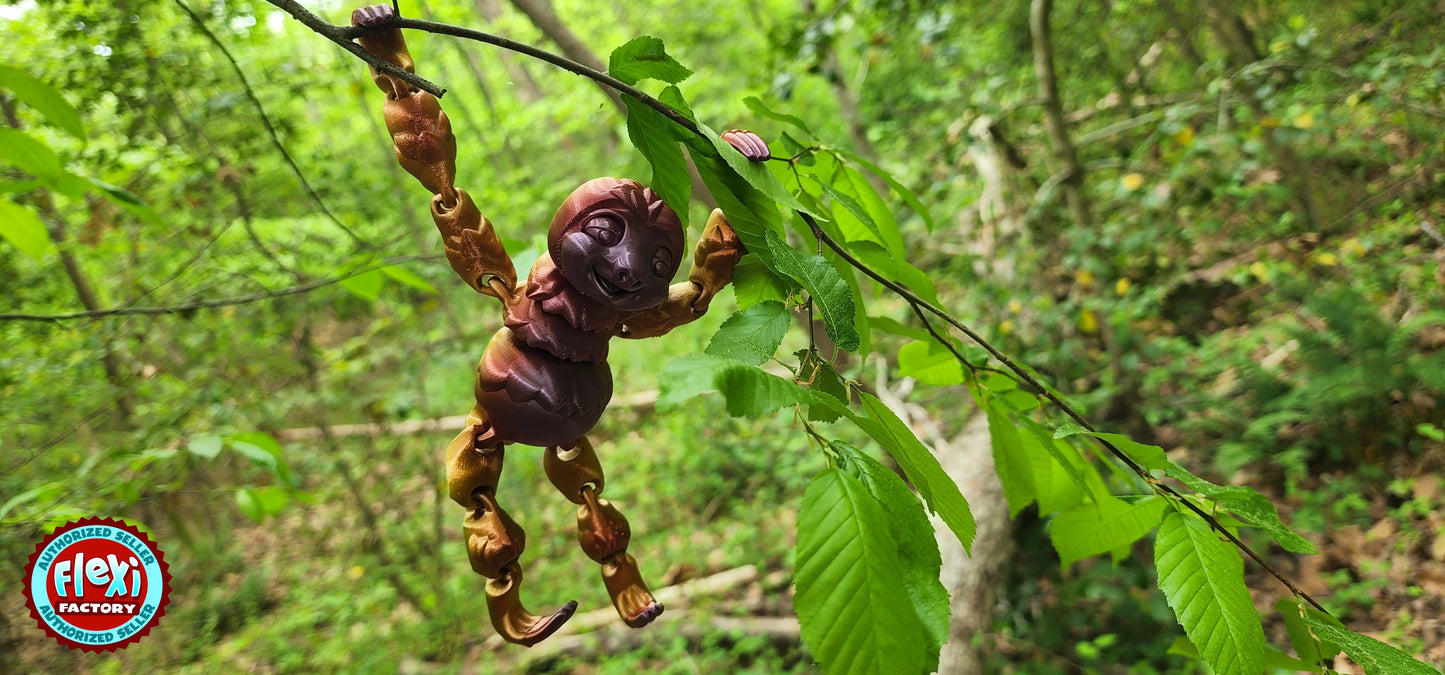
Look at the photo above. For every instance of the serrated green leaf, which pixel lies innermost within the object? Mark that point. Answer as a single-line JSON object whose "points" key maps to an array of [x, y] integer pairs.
{"points": [[1248, 504], [895, 269], [919, 562], [929, 363], [1203, 580], [409, 278], [644, 58], [831, 295], [23, 228], [752, 335], [1310, 648], [206, 446], [124, 199], [755, 173], [45, 99], [753, 282], [1097, 528], [29, 154], [366, 285], [903, 192], [852, 617], [655, 137], [756, 105], [1376, 657], [924, 472], [749, 391]]}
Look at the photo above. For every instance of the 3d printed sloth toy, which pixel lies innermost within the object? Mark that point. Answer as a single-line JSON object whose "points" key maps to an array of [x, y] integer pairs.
{"points": [[612, 251]]}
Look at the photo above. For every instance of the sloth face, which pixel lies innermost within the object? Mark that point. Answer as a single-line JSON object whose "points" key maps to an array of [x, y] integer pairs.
{"points": [[620, 246]]}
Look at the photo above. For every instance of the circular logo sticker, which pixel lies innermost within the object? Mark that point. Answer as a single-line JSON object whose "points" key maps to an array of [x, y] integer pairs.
{"points": [[97, 584]]}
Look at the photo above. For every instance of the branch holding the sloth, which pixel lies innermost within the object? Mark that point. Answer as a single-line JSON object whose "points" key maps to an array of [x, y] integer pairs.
{"points": [[343, 36]]}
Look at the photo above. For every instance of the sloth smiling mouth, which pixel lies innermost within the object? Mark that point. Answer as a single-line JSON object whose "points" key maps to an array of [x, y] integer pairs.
{"points": [[612, 290]]}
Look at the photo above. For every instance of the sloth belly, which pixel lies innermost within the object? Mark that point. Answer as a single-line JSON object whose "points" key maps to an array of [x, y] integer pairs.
{"points": [[533, 397]]}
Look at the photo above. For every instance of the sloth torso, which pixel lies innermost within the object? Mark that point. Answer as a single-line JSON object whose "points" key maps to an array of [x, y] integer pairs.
{"points": [[544, 379]]}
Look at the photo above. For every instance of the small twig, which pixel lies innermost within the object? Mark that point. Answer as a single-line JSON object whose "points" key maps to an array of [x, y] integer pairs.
{"points": [[338, 35], [223, 302], [271, 129]]}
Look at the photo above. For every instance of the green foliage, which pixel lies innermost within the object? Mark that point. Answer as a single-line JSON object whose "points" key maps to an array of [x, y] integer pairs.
{"points": [[645, 58], [752, 335], [852, 614], [1376, 657], [1203, 578]]}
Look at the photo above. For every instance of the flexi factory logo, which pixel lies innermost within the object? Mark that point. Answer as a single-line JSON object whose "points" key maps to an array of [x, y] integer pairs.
{"points": [[97, 584]]}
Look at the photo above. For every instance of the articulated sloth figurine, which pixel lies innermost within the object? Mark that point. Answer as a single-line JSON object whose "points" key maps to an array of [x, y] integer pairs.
{"points": [[612, 250]]}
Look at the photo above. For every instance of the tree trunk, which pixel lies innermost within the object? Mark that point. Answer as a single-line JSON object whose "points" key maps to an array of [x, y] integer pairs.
{"points": [[1063, 148]]}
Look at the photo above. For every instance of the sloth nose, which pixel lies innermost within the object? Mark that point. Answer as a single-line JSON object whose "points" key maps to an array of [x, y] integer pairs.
{"points": [[626, 278]]}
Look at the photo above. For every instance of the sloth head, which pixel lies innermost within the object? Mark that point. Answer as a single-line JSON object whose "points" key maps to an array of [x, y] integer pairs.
{"points": [[617, 243]]}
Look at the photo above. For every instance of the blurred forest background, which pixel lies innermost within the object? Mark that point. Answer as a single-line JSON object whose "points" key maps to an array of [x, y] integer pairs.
{"points": [[1225, 234]]}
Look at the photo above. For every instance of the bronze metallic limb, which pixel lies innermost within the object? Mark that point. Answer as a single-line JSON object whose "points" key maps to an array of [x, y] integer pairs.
{"points": [[602, 530], [494, 541]]}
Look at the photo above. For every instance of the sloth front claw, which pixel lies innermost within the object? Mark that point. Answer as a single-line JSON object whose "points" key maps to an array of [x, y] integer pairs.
{"points": [[634, 603]]}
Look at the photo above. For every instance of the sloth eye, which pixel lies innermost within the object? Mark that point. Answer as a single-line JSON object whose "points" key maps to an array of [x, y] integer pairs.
{"points": [[607, 231], [660, 265]]}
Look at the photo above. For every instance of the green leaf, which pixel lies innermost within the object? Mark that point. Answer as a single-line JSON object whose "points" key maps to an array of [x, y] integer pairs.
{"points": [[1148, 456], [124, 199], [29, 154], [939, 491], [1376, 657], [1097, 528], [1203, 580], [749, 391], [259, 447], [755, 173], [830, 293], [250, 505], [1010, 459], [756, 105], [894, 327], [644, 58], [9, 187], [929, 363], [23, 228], [655, 137], [903, 192], [919, 562], [1307, 645], [753, 282], [753, 334], [820, 377], [673, 97], [366, 285], [855, 222], [45, 99], [751, 213], [409, 278], [1247, 503], [851, 614], [206, 446]]}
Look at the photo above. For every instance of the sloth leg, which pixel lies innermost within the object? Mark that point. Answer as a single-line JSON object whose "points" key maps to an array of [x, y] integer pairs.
{"points": [[602, 530], [494, 541]]}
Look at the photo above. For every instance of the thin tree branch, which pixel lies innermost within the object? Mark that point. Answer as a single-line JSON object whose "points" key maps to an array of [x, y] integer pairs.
{"points": [[271, 130], [223, 302], [335, 34]]}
